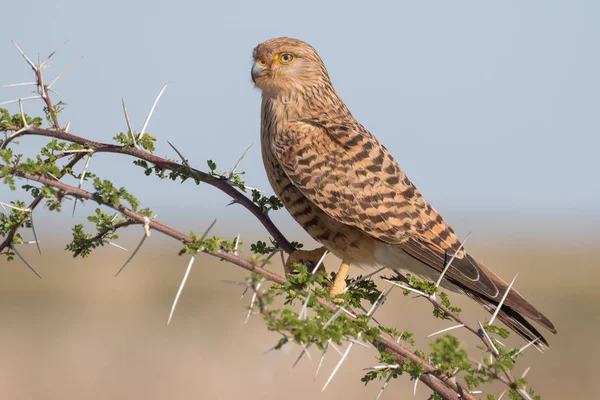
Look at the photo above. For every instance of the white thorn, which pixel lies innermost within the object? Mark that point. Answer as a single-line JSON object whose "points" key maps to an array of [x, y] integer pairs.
{"points": [[208, 229], [383, 387], [41, 79], [25, 262], [129, 130], [87, 164], [54, 52], [62, 73], [320, 262], [335, 315], [25, 124], [4, 208], [147, 226], [282, 258], [253, 300], [525, 372], [262, 265], [26, 210], [35, 68], [321, 361], [117, 246], [522, 349], [415, 387], [333, 346], [358, 342], [183, 160], [475, 392], [488, 338], [181, 285], [19, 84], [304, 311], [305, 349], [337, 367], [68, 126], [76, 151], [446, 330], [348, 312], [237, 164], [501, 395], [524, 394], [236, 243], [357, 281], [142, 132], [437, 284], [499, 306], [379, 301], [407, 288], [380, 367], [37, 243], [21, 99], [29, 242], [132, 254]]}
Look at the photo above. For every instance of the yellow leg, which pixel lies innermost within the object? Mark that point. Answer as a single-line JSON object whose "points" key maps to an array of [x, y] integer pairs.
{"points": [[303, 256], [340, 279]]}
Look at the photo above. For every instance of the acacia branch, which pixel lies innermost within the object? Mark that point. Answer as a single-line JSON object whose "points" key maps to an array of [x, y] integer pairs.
{"points": [[222, 184], [444, 385]]}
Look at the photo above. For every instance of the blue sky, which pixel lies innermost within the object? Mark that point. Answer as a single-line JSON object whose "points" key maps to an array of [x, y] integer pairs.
{"points": [[504, 95]]}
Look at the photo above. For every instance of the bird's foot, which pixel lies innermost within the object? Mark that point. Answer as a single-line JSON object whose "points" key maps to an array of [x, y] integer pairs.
{"points": [[308, 257], [339, 284]]}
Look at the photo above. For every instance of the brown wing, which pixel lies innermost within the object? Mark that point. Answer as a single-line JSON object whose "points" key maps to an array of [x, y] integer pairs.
{"points": [[347, 173], [483, 286], [351, 177]]}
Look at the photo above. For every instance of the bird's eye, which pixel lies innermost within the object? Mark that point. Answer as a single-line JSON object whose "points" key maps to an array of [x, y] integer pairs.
{"points": [[286, 58], [261, 63]]}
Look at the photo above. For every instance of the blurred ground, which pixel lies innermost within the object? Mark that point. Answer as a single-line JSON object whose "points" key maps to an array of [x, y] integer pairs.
{"points": [[80, 333]]}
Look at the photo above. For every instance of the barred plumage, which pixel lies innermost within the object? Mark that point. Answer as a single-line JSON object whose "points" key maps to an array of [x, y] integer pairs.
{"points": [[345, 188]]}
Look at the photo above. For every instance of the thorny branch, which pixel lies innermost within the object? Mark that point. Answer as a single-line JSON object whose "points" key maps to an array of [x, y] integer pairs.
{"points": [[222, 183]]}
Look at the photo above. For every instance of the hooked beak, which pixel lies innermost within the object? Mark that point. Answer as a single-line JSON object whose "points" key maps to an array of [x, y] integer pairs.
{"points": [[257, 70]]}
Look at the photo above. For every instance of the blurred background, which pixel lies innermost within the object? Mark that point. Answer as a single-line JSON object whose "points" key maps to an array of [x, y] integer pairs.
{"points": [[505, 95]]}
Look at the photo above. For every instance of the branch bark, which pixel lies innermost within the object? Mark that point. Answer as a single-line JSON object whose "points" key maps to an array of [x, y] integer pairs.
{"points": [[445, 386]]}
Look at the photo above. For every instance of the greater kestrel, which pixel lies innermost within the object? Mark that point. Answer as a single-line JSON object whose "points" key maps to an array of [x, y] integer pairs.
{"points": [[347, 191]]}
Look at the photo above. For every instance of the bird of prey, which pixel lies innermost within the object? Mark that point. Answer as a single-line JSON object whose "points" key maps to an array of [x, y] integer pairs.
{"points": [[347, 191]]}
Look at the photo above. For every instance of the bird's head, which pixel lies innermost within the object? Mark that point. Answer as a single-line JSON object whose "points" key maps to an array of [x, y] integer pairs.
{"points": [[282, 65]]}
